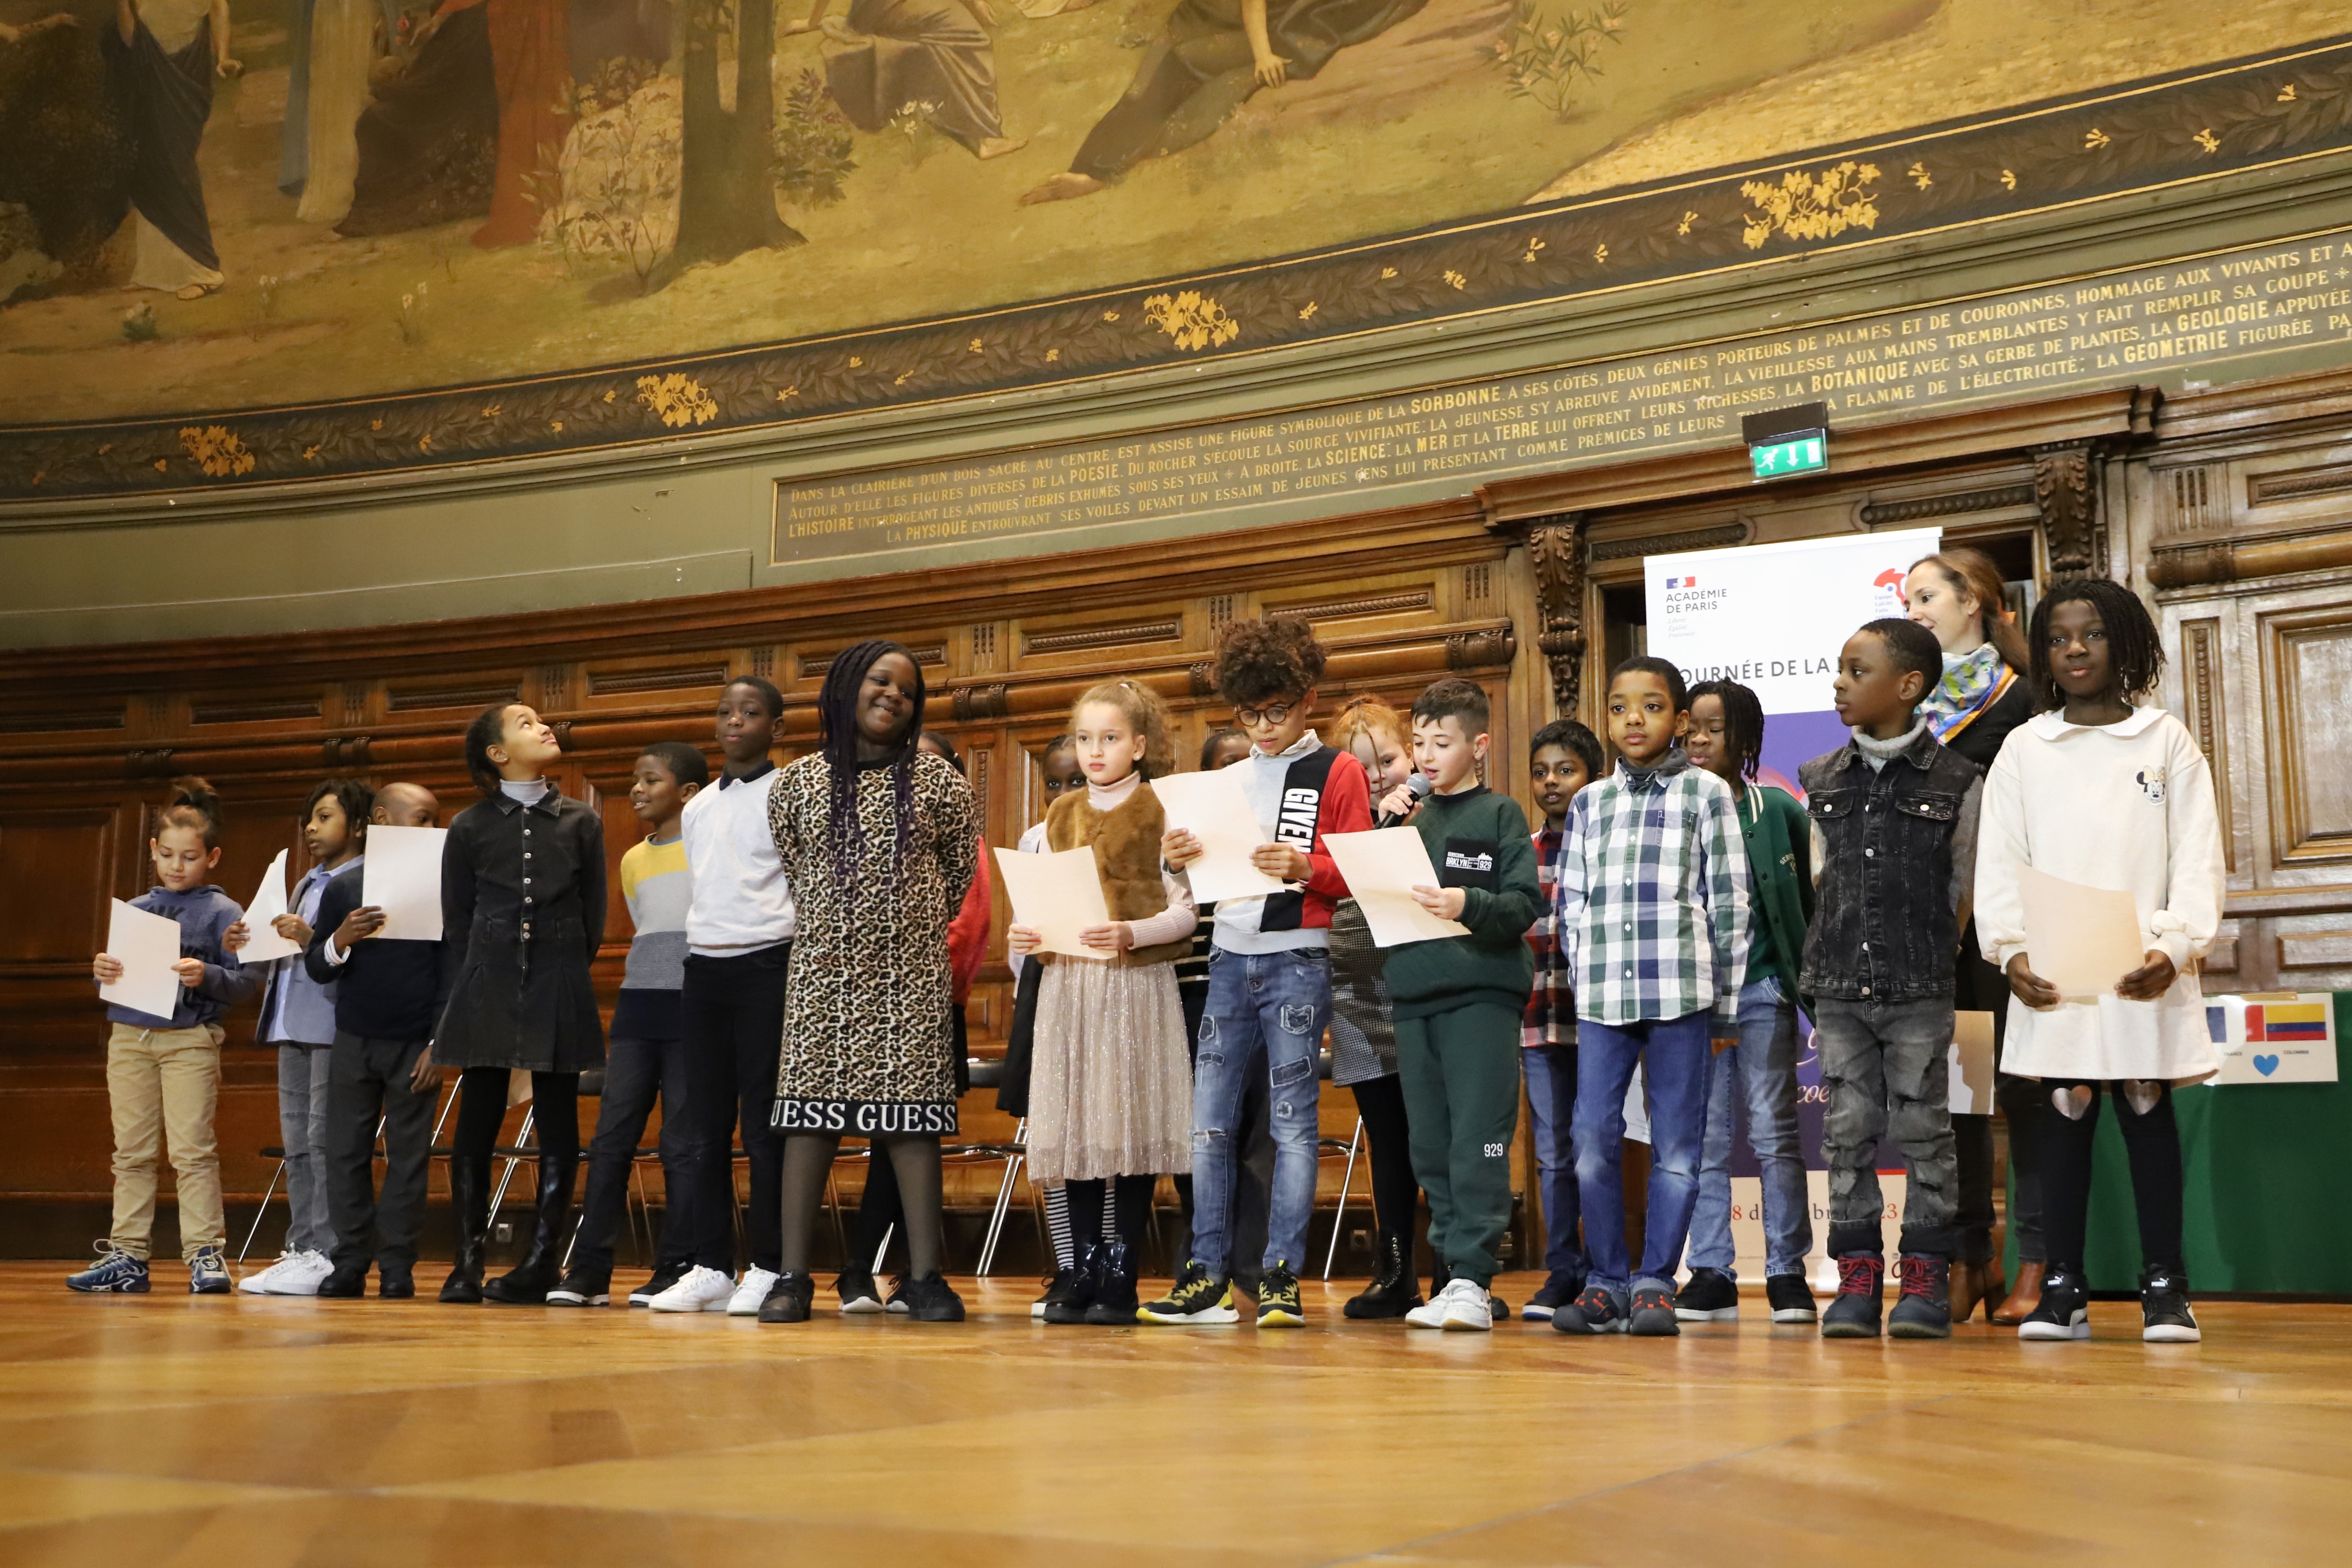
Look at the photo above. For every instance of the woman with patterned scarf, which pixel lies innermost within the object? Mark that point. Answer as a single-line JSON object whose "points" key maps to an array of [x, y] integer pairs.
{"points": [[1982, 696]]}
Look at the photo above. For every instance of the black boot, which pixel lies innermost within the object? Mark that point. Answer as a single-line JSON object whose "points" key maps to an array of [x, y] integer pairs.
{"points": [[1090, 1274], [1391, 1294], [542, 1269], [1114, 1285], [469, 1213]]}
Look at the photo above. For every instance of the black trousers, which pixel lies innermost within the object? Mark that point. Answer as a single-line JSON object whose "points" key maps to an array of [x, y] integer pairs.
{"points": [[2151, 1144], [367, 1081], [734, 1015], [1396, 1192], [635, 1072], [1978, 986]]}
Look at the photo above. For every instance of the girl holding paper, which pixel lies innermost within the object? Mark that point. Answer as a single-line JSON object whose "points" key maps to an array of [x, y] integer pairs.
{"points": [[1110, 1096], [2100, 792], [522, 914]]}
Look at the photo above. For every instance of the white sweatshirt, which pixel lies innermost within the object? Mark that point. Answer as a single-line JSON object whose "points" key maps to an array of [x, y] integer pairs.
{"points": [[742, 901], [2128, 806]]}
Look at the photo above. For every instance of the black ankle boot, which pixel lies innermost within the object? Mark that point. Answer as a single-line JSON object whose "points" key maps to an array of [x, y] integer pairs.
{"points": [[542, 1269], [1391, 1294], [469, 1213], [1090, 1276], [1114, 1285]]}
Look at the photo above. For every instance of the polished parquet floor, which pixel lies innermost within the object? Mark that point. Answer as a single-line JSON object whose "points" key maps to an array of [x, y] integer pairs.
{"points": [[254, 1432]]}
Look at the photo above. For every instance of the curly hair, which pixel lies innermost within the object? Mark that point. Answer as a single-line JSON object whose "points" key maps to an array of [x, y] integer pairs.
{"points": [[1743, 722], [355, 796], [684, 764], [1910, 646], [2134, 650], [1145, 710], [1266, 660]]}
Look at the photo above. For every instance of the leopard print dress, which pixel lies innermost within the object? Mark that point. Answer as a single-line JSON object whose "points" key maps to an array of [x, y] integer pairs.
{"points": [[868, 1045]]}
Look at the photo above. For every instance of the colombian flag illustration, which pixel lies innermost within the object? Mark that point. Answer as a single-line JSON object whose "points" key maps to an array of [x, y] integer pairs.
{"points": [[2285, 1021]]}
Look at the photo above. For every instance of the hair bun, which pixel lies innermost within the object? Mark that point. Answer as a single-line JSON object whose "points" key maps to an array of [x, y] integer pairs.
{"points": [[192, 791]]}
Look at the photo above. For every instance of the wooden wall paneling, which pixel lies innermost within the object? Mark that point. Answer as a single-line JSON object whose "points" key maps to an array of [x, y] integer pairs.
{"points": [[2307, 667], [59, 865], [2204, 709]]}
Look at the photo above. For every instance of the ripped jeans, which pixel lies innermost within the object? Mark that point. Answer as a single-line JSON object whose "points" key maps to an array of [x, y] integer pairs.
{"points": [[1279, 1001]]}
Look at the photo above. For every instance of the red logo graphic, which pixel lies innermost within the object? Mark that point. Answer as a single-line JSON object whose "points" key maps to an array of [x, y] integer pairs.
{"points": [[1890, 578]]}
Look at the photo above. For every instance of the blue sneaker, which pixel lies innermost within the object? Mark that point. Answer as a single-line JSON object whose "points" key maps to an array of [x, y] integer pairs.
{"points": [[208, 1273], [116, 1272]]}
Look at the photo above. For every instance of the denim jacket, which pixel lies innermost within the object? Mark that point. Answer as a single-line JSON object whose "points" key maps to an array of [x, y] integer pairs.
{"points": [[1897, 851]]}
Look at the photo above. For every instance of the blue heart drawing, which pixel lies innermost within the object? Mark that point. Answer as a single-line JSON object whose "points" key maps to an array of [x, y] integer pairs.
{"points": [[2266, 1065]]}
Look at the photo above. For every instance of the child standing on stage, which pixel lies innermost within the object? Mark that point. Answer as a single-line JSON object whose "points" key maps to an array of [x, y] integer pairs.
{"points": [[1109, 1091], [1269, 972], [647, 1055], [880, 839], [1758, 1074], [522, 914], [1459, 1000], [379, 1069], [2097, 791], [738, 937], [1652, 920], [162, 1074], [1563, 759], [1896, 819], [1059, 766], [1363, 1034], [297, 1017]]}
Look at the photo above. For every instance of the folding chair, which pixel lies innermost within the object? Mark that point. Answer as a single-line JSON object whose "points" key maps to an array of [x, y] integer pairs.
{"points": [[1339, 1215]]}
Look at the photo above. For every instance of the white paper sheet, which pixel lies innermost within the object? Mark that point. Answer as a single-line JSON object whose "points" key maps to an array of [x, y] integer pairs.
{"points": [[1383, 867], [1058, 895], [2081, 940], [1212, 808], [147, 946], [268, 904], [401, 877], [1971, 1064]]}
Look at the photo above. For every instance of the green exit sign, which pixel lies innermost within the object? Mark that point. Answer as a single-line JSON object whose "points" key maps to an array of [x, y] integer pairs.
{"points": [[1804, 452]]}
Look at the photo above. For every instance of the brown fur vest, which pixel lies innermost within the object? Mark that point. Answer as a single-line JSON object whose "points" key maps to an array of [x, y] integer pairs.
{"points": [[1127, 858]]}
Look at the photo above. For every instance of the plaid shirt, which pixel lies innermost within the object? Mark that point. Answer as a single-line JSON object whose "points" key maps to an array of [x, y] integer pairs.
{"points": [[1551, 1006], [1652, 909]]}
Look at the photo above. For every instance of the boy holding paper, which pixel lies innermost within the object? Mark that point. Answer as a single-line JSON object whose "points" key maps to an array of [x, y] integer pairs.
{"points": [[380, 1068], [1269, 969], [162, 1070], [1458, 1001], [1894, 826]]}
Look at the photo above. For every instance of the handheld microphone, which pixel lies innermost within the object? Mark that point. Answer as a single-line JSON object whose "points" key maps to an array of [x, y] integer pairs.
{"points": [[1419, 786]]}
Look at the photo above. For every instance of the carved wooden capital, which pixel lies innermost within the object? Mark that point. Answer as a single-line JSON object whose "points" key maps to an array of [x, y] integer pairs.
{"points": [[2064, 487], [151, 763], [1204, 676], [1481, 650], [349, 752], [1556, 555], [971, 703], [563, 728]]}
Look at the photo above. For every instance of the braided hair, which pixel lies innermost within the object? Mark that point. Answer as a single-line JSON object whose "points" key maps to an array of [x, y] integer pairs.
{"points": [[1743, 722], [836, 717], [2135, 649]]}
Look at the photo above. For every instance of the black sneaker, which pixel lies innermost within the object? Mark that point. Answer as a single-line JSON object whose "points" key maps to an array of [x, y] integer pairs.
{"points": [[582, 1288], [859, 1294], [2065, 1310], [1854, 1312], [1059, 1290], [789, 1298], [2165, 1317], [1595, 1311], [668, 1275], [347, 1281], [395, 1283], [929, 1300], [1197, 1297], [1560, 1288], [1278, 1305], [1708, 1296], [1790, 1299], [1072, 1307], [1652, 1314], [896, 1303], [1498, 1310], [1923, 1310]]}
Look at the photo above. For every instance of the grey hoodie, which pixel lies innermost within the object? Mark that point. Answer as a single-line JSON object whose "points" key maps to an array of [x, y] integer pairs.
{"points": [[205, 915]]}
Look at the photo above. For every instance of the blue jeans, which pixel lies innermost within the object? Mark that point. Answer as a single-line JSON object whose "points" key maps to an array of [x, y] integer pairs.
{"points": [[1551, 1107], [1673, 1054], [1269, 1006], [1757, 1077]]}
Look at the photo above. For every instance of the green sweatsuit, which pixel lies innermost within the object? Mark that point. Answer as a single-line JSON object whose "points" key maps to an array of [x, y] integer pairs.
{"points": [[1457, 1004]]}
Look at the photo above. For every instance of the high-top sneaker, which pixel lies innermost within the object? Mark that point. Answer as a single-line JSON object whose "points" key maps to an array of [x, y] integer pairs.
{"points": [[1853, 1311], [2064, 1311], [1924, 1309], [2165, 1317]]}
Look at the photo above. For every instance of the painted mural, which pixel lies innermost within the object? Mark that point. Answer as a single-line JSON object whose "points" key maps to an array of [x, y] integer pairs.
{"points": [[419, 232]]}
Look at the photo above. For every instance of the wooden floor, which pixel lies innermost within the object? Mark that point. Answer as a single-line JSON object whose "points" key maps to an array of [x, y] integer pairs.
{"points": [[167, 1429]]}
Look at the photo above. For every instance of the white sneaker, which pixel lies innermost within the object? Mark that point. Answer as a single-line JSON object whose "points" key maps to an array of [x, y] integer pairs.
{"points": [[258, 1282], [301, 1275], [745, 1302], [700, 1291], [1467, 1306]]}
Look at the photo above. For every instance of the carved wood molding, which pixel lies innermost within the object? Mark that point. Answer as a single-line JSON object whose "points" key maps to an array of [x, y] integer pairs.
{"points": [[971, 702], [1879, 513], [2202, 701], [2065, 489], [1714, 537], [1388, 603], [1481, 650], [1556, 558], [1086, 640], [2213, 561], [677, 678]]}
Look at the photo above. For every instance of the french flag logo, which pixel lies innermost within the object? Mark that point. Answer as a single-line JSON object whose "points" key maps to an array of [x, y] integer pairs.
{"points": [[1682, 581]]}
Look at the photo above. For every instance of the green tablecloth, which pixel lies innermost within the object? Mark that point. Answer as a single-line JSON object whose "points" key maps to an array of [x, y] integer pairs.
{"points": [[2266, 1207]]}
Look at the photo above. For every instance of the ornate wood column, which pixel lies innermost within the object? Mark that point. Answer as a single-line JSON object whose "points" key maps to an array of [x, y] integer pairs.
{"points": [[2065, 487], [1556, 555]]}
